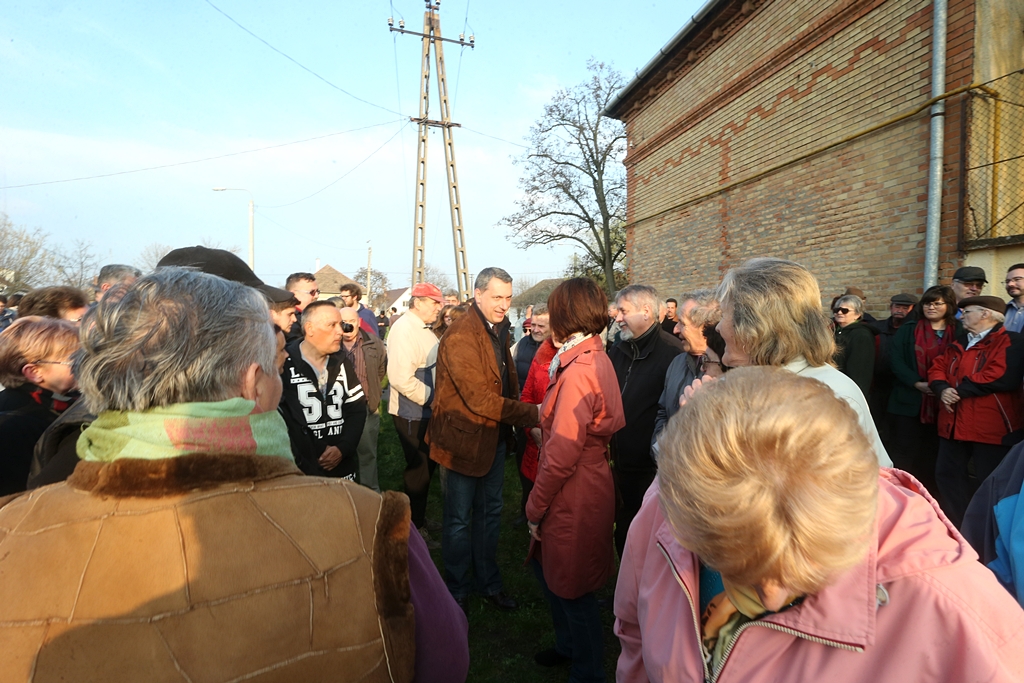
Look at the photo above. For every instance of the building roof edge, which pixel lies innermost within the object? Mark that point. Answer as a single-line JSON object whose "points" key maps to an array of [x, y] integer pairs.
{"points": [[613, 107]]}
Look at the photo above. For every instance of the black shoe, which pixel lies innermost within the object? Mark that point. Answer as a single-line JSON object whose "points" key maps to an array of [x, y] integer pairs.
{"points": [[519, 521], [503, 601], [463, 604], [432, 526], [551, 657]]}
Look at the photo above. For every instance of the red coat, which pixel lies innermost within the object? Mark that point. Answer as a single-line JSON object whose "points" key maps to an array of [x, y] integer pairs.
{"points": [[533, 392], [573, 498], [988, 379]]}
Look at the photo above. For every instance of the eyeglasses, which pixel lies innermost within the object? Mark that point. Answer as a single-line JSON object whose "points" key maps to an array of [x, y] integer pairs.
{"points": [[53, 362], [1013, 280], [842, 310], [311, 292], [934, 304], [972, 310], [973, 284], [704, 362]]}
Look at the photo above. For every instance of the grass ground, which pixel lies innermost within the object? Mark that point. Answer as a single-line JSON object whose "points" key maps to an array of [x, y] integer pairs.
{"points": [[501, 644]]}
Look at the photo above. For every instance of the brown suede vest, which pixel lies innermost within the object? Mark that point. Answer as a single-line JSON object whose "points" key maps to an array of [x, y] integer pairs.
{"points": [[205, 569]]}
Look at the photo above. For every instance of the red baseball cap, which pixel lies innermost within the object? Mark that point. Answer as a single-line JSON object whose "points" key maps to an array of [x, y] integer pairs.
{"points": [[428, 290]]}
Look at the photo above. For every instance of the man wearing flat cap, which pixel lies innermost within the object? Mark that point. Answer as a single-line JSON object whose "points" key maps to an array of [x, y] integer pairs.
{"points": [[968, 281], [978, 382]]}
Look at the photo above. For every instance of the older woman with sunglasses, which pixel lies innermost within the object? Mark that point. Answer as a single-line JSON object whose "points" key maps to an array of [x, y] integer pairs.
{"points": [[35, 366], [855, 341]]}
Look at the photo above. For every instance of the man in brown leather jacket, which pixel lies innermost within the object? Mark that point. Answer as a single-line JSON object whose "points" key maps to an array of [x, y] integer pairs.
{"points": [[475, 407]]}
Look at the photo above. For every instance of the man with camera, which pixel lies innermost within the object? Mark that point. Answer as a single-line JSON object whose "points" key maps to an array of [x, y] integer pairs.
{"points": [[323, 402], [369, 360]]}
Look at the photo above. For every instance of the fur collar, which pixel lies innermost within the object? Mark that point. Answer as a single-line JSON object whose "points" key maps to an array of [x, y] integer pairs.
{"points": [[135, 477]]}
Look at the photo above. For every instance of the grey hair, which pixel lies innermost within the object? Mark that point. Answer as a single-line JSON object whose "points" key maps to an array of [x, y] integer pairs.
{"points": [[996, 315], [116, 274], [703, 297], [540, 309], [487, 274], [852, 301], [640, 295], [176, 336]]}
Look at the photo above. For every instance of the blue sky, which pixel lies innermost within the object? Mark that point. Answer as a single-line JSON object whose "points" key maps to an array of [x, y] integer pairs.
{"points": [[89, 88]]}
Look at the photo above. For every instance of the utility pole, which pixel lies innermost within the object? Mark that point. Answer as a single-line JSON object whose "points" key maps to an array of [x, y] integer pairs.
{"points": [[432, 37]]}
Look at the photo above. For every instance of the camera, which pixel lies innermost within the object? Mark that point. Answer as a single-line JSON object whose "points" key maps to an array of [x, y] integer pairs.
{"points": [[347, 327]]}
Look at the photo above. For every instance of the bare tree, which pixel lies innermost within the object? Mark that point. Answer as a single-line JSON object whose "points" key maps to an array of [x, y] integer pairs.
{"points": [[74, 266], [521, 284], [574, 184], [585, 265], [211, 243], [24, 260], [150, 256], [377, 296], [436, 276]]}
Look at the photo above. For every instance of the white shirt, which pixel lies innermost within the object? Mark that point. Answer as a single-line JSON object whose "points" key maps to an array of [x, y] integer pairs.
{"points": [[846, 389], [973, 339]]}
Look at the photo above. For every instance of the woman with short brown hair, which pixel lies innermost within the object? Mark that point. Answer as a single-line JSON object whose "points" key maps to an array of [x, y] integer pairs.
{"points": [[571, 509]]}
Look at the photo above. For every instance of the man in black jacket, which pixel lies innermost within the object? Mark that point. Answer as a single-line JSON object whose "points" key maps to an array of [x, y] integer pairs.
{"points": [[323, 402], [641, 359]]}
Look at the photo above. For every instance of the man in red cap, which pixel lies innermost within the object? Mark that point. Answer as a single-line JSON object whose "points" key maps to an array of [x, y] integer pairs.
{"points": [[412, 354], [978, 382]]}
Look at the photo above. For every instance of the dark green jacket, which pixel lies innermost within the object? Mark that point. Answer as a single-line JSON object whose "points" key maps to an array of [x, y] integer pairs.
{"points": [[905, 399]]}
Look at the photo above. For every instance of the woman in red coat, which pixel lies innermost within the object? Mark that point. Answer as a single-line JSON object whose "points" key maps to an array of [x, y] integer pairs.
{"points": [[572, 506]]}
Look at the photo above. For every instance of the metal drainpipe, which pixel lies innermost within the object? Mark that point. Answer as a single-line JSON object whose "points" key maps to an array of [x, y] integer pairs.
{"points": [[937, 125]]}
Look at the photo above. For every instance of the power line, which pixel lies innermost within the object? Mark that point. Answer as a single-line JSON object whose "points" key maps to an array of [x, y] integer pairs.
{"points": [[349, 171], [197, 161], [493, 137], [305, 236], [299, 64]]}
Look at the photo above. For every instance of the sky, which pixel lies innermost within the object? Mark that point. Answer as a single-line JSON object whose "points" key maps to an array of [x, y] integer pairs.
{"points": [[99, 88]]}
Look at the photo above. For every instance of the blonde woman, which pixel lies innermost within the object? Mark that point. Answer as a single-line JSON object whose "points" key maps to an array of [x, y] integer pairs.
{"points": [[772, 315], [772, 548]]}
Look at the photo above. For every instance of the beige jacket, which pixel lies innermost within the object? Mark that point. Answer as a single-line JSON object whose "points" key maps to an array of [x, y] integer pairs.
{"points": [[204, 569]]}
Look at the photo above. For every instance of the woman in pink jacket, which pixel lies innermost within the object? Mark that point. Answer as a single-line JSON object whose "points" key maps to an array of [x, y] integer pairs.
{"points": [[571, 509], [772, 548]]}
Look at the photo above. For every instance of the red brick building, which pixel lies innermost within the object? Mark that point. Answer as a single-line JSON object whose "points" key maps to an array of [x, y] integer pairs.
{"points": [[732, 148]]}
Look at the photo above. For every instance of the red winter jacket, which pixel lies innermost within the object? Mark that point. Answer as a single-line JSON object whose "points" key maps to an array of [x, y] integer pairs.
{"points": [[988, 379], [533, 392]]}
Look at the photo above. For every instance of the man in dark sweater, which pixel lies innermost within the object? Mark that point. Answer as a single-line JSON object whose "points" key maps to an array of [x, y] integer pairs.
{"points": [[323, 402], [641, 359]]}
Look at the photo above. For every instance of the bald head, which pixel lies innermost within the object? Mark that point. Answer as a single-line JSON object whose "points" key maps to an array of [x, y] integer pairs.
{"points": [[349, 325]]}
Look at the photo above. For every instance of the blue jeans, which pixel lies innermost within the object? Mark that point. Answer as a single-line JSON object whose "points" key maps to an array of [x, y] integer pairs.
{"points": [[469, 537], [578, 631]]}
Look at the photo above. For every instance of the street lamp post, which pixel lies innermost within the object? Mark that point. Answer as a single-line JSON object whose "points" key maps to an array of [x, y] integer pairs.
{"points": [[252, 248]]}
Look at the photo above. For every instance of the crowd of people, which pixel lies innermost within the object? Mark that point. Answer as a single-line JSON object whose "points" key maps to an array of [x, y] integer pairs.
{"points": [[189, 465]]}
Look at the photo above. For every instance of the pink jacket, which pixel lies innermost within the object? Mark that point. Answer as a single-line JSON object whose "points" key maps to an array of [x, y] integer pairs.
{"points": [[942, 617]]}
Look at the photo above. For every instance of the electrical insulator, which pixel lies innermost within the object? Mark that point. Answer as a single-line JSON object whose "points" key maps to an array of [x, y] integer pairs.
{"points": [[391, 21], [462, 37], [401, 23], [472, 38]]}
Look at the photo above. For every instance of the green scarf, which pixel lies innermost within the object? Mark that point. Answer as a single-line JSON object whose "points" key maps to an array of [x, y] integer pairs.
{"points": [[219, 428]]}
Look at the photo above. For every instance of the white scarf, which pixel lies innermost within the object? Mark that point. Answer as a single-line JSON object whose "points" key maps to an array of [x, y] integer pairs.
{"points": [[573, 340]]}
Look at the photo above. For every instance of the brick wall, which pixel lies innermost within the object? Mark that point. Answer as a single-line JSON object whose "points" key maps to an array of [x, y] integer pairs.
{"points": [[782, 80]]}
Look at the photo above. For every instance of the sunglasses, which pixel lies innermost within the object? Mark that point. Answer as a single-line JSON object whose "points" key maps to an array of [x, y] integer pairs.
{"points": [[841, 309], [311, 292]]}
